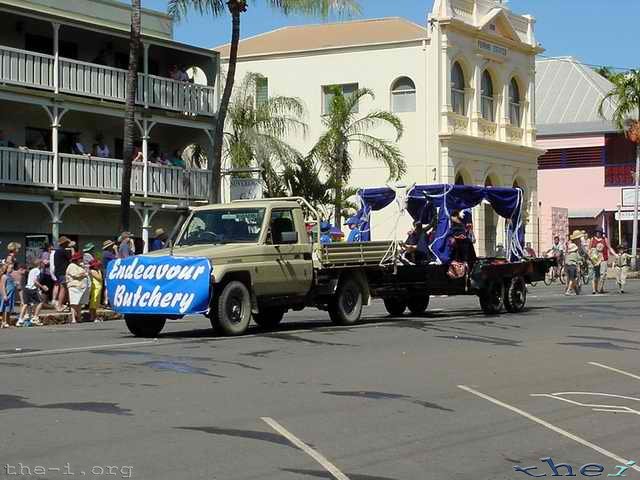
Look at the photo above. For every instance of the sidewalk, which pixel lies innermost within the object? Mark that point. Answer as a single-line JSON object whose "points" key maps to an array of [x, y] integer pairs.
{"points": [[52, 317]]}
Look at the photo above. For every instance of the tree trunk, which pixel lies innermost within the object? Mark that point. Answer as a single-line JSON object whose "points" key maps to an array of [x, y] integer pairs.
{"points": [[236, 7], [337, 214], [129, 116]]}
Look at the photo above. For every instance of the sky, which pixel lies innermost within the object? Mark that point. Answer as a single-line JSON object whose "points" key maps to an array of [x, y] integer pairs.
{"points": [[599, 32]]}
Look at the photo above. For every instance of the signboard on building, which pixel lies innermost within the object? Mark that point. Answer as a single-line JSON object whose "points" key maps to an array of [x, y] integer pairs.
{"points": [[628, 197], [625, 215], [245, 188]]}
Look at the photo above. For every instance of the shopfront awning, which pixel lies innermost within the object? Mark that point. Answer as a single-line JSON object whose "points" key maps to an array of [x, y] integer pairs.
{"points": [[585, 212]]}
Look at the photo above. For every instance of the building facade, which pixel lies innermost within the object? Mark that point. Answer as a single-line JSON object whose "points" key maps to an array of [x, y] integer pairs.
{"points": [[63, 68], [589, 163], [463, 86]]}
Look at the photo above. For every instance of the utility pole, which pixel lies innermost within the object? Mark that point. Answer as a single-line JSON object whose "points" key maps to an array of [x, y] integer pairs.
{"points": [[636, 195]]}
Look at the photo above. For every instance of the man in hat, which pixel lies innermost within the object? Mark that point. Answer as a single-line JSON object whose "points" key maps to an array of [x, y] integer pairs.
{"points": [[59, 263], [601, 239], [572, 260], [108, 252], [159, 241], [354, 229], [125, 247], [325, 233]]}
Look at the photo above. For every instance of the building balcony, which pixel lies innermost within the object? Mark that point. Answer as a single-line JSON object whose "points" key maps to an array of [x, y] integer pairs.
{"points": [[514, 134], [40, 71], [457, 123], [39, 169]]}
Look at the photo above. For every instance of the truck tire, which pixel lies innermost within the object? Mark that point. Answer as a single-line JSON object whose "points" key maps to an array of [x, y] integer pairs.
{"points": [[418, 305], [515, 297], [492, 298], [233, 309], [269, 317], [345, 308], [395, 306], [146, 326]]}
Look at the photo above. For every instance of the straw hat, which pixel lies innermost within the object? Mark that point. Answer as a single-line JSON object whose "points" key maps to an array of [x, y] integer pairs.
{"points": [[572, 248], [159, 233], [108, 244], [576, 235], [64, 240]]}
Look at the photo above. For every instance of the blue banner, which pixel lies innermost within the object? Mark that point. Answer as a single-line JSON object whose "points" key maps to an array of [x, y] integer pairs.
{"points": [[159, 285]]}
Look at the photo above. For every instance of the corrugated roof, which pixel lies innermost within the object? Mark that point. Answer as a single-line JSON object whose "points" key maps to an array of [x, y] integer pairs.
{"points": [[568, 94], [329, 35]]}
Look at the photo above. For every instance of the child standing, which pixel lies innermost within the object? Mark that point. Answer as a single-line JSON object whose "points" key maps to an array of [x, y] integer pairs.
{"points": [[33, 295], [7, 293], [95, 297], [621, 267]]}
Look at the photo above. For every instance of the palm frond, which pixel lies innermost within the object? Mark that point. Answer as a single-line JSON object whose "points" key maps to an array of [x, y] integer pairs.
{"points": [[320, 8], [376, 119], [382, 151], [178, 9], [624, 97]]}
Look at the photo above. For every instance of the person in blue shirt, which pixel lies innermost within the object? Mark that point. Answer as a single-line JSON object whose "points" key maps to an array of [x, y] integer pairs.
{"points": [[325, 233], [354, 226]]}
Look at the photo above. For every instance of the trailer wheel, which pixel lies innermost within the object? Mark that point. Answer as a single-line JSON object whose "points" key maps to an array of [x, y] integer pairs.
{"points": [[345, 307], [418, 305], [395, 306], [515, 297], [233, 309], [146, 326], [269, 317], [492, 298]]}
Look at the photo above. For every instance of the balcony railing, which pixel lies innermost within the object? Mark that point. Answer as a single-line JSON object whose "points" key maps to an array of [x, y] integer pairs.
{"points": [[35, 168], [36, 70]]}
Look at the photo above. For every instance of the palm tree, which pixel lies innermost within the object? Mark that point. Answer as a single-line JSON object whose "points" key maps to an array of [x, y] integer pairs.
{"points": [[256, 130], [346, 130], [606, 72], [178, 8], [625, 96], [129, 115]]}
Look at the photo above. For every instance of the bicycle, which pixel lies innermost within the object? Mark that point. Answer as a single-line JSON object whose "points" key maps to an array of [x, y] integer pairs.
{"points": [[556, 273]]}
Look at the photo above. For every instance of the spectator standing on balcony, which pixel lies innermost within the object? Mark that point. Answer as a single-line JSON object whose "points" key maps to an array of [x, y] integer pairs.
{"points": [[59, 264], [159, 241], [4, 142], [78, 148], [137, 155], [7, 293], [183, 76], [173, 72], [175, 160], [101, 148], [78, 284]]}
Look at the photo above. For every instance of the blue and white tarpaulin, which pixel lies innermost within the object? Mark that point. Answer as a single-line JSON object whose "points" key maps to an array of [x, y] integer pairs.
{"points": [[159, 285]]}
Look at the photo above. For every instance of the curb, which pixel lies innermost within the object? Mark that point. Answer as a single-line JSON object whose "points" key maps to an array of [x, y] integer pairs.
{"points": [[57, 318]]}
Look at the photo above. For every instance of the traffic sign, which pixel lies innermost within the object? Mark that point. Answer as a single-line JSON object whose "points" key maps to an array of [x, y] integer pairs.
{"points": [[626, 215], [628, 196]]}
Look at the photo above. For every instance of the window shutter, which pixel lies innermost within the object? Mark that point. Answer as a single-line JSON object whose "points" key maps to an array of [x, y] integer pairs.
{"points": [[262, 91]]}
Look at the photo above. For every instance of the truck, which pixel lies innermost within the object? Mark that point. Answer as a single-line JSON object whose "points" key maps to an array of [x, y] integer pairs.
{"points": [[266, 261]]}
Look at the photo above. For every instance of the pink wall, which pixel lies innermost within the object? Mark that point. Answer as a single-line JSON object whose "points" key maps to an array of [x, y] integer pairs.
{"points": [[576, 188], [550, 143]]}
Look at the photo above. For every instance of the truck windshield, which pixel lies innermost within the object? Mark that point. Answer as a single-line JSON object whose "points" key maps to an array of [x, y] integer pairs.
{"points": [[224, 226]]}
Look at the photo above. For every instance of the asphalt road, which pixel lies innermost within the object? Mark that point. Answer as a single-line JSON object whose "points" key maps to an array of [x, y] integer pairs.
{"points": [[451, 395]]}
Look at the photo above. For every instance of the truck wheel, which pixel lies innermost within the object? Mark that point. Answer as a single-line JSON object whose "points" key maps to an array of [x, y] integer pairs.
{"points": [[418, 305], [233, 309], [345, 307], [515, 297], [269, 317], [395, 306], [492, 298], [146, 326]]}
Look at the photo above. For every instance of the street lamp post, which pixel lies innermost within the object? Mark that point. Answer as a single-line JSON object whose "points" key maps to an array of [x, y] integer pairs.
{"points": [[636, 197]]}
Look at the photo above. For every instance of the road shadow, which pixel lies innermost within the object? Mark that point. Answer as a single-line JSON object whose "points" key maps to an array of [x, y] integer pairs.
{"points": [[249, 434], [325, 474], [14, 402], [373, 395]]}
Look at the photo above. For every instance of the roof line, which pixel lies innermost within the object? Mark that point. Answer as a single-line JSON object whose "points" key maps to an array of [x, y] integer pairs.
{"points": [[306, 25]]}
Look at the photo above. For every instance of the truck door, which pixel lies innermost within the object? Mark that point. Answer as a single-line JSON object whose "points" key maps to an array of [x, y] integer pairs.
{"points": [[294, 266]]}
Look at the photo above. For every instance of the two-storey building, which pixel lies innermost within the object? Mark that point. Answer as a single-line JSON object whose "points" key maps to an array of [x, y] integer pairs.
{"points": [[463, 85], [63, 68]]}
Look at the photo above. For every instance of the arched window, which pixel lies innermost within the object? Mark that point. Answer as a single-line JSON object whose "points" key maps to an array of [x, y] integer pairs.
{"points": [[457, 89], [514, 103], [403, 95], [486, 95]]}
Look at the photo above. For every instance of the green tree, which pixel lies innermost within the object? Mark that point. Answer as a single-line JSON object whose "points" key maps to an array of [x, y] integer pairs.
{"points": [[257, 129], [178, 8], [129, 115], [625, 99], [606, 72], [346, 130]]}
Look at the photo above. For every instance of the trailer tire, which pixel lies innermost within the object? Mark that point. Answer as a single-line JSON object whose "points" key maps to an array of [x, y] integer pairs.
{"points": [[515, 297], [145, 326], [395, 306], [269, 317], [418, 305], [492, 298], [233, 309], [345, 308]]}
